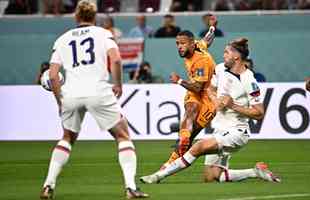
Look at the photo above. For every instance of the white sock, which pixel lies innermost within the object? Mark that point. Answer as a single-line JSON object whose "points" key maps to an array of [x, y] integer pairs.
{"points": [[177, 165], [60, 157], [237, 175], [128, 161]]}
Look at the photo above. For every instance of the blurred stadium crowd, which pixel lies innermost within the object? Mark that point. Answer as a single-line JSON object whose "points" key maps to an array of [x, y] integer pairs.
{"points": [[109, 6]]}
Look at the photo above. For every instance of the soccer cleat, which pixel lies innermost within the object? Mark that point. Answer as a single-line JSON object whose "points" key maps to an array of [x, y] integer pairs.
{"points": [[262, 171], [150, 179], [135, 194], [47, 193]]}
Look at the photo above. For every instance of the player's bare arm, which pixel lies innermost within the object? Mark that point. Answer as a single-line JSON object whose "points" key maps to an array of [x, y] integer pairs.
{"points": [[209, 37], [256, 111], [55, 82], [194, 86], [219, 103], [116, 71]]}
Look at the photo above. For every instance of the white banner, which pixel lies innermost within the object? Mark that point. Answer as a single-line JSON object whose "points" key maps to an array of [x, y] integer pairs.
{"points": [[131, 50], [30, 113]]}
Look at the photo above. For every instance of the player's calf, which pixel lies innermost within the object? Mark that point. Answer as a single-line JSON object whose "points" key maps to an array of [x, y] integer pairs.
{"points": [[184, 141], [211, 173]]}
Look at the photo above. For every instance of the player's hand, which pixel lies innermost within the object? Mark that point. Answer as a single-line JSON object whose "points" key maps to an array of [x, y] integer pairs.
{"points": [[174, 77], [226, 101], [307, 86], [117, 89]]}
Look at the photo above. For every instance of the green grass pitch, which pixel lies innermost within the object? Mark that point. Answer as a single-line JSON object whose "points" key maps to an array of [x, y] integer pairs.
{"points": [[93, 172]]}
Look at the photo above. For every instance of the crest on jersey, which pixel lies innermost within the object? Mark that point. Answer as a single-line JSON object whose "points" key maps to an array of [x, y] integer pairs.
{"points": [[200, 72], [255, 90]]}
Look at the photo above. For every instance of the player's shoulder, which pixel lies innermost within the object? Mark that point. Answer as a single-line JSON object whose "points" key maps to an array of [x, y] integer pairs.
{"points": [[63, 36], [204, 57], [249, 82], [219, 68], [247, 76], [201, 45], [102, 31]]}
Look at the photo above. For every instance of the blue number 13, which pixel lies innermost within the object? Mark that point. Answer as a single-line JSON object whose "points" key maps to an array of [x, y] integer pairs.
{"points": [[88, 41]]}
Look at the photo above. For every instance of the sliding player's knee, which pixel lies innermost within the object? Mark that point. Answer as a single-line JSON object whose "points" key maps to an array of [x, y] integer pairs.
{"points": [[208, 178], [211, 174]]}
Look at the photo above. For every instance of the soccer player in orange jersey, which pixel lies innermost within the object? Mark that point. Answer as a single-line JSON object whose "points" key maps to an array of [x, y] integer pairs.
{"points": [[199, 110]]}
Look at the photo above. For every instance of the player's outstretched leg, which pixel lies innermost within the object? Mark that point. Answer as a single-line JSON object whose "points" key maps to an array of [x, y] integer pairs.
{"points": [[234, 175], [202, 147], [182, 145], [217, 169], [264, 173], [59, 158], [222, 174], [187, 133], [127, 159]]}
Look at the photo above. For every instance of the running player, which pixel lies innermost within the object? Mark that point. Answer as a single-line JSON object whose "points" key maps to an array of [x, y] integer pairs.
{"points": [[83, 53], [237, 99], [199, 110]]}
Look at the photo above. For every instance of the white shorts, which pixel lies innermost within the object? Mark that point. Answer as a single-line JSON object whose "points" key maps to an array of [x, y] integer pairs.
{"points": [[104, 109], [229, 141]]}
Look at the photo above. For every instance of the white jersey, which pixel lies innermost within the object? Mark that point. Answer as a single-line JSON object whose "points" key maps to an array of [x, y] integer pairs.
{"points": [[82, 52], [244, 91]]}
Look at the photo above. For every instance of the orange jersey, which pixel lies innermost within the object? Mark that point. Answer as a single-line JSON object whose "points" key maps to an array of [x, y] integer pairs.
{"points": [[200, 67], [201, 46]]}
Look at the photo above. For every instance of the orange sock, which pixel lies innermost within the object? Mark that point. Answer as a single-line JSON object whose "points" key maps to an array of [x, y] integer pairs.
{"points": [[183, 146], [184, 133], [184, 142], [173, 157]]}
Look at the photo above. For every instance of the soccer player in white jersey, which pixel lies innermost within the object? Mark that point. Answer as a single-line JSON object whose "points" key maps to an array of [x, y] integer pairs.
{"points": [[83, 53], [237, 98]]}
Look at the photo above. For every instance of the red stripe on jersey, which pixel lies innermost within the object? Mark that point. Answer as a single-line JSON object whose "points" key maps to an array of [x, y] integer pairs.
{"points": [[185, 162], [61, 148], [255, 93], [226, 175], [126, 149]]}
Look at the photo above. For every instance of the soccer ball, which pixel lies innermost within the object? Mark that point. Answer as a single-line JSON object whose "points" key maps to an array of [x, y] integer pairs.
{"points": [[46, 82]]}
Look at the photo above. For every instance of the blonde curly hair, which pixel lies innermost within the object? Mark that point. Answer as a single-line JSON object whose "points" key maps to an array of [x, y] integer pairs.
{"points": [[86, 11]]}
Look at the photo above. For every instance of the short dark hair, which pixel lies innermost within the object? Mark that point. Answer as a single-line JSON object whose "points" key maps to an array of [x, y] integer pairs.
{"points": [[168, 16], [186, 33], [145, 63], [206, 15]]}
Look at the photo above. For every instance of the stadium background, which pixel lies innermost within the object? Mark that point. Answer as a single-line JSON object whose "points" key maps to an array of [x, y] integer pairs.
{"points": [[279, 42]]}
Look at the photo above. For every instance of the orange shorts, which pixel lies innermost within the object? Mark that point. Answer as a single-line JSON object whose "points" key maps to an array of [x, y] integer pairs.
{"points": [[206, 111]]}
